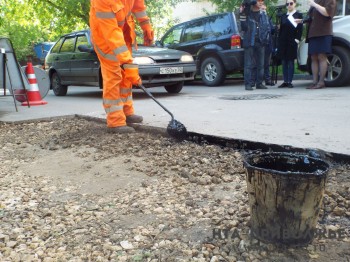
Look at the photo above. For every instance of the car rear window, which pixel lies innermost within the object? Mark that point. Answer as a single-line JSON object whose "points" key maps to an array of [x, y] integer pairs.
{"points": [[82, 40], [218, 26], [194, 31], [57, 46], [68, 45]]}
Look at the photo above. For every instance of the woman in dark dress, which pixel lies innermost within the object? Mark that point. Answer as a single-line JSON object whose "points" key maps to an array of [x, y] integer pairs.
{"points": [[319, 36], [288, 39]]}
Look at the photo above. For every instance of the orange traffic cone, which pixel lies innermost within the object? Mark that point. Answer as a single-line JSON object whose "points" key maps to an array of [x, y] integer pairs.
{"points": [[33, 93]]}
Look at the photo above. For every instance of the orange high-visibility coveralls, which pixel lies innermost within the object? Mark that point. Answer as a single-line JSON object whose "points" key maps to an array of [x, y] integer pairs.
{"points": [[113, 34]]}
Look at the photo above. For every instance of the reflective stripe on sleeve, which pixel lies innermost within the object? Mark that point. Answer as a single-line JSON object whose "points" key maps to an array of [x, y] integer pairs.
{"points": [[144, 22], [140, 14], [120, 49], [105, 15], [107, 56], [121, 23], [125, 66]]}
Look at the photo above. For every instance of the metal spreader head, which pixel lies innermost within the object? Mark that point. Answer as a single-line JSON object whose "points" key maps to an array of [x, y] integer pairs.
{"points": [[177, 130]]}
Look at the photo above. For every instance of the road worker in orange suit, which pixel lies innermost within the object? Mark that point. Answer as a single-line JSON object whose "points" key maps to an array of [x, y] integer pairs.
{"points": [[113, 34]]}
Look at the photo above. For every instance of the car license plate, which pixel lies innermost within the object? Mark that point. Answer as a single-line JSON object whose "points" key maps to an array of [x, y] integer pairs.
{"points": [[171, 70]]}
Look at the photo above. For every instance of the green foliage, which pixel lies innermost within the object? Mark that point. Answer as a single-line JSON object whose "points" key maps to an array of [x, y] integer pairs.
{"points": [[233, 5], [27, 22], [160, 13]]}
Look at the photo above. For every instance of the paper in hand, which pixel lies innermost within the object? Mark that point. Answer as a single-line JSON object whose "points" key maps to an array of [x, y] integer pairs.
{"points": [[291, 19]]}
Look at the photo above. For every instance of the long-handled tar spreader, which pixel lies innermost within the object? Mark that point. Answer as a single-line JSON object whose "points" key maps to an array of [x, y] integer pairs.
{"points": [[175, 128]]}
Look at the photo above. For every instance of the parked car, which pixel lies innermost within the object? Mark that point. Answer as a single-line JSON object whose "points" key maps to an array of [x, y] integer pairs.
{"points": [[72, 61], [338, 73], [215, 43]]}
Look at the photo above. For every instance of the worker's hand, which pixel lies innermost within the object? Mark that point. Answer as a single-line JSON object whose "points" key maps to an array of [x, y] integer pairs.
{"points": [[131, 72], [148, 34]]}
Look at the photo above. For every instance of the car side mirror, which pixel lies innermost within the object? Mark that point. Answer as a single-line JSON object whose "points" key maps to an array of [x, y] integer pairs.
{"points": [[86, 49]]}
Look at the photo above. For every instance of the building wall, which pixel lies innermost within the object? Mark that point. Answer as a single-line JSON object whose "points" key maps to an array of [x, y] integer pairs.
{"points": [[187, 10]]}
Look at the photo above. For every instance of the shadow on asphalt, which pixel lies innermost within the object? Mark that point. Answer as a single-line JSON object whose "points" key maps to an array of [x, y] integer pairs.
{"points": [[89, 94]]}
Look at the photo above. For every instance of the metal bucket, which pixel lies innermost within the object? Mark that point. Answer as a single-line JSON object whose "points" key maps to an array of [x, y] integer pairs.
{"points": [[285, 196]]}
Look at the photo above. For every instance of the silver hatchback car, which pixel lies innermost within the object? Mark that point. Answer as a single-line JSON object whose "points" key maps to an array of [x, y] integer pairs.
{"points": [[72, 61]]}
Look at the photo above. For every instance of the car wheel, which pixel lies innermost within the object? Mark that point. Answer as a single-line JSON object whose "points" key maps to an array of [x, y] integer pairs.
{"points": [[338, 67], [57, 88], [212, 72], [175, 88]]}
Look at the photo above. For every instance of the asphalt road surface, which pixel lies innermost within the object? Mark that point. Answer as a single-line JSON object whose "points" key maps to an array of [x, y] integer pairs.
{"points": [[289, 116]]}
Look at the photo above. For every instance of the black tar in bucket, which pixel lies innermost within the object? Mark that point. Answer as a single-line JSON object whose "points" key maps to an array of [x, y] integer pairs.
{"points": [[285, 194]]}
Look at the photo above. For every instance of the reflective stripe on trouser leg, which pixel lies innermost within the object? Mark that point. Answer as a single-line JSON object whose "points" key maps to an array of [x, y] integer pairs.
{"points": [[112, 100], [126, 94]]}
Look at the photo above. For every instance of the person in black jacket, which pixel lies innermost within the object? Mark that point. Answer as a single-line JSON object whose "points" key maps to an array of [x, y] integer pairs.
{"points": [[288, 39], [256, 32], [267, 56]]}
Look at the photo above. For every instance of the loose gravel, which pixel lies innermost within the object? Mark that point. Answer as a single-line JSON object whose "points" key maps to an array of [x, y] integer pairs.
{"points": [[69, 191]]}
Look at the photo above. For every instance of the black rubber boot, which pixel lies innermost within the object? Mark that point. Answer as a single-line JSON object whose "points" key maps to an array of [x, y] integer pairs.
{"points": [[134, 119], [120, 129]]}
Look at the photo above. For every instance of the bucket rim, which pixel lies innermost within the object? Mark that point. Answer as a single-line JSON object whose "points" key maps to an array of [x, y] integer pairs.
{"points": [[323, 172]]}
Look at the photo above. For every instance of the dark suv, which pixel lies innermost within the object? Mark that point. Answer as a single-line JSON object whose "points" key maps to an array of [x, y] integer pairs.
{"points": [[213, 41]]}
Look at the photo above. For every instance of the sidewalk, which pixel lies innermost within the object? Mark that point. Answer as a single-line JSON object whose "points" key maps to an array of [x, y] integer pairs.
{"points": [[296, 117]]}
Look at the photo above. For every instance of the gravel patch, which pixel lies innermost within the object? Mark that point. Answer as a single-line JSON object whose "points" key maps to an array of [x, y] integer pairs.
{"points": [[69, 191]]}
